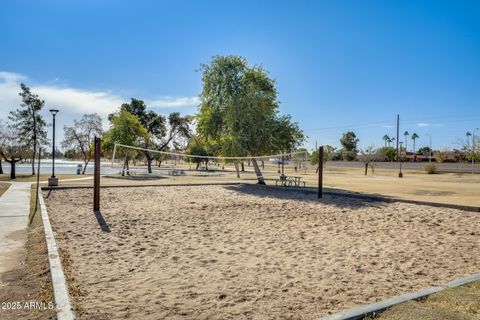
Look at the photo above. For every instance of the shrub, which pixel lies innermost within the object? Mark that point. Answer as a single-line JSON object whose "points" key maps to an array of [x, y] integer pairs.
{"points": [[430, 168]]}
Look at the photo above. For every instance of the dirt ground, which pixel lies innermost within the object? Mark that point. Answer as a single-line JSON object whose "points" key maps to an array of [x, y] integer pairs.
{"points": [[229, 252]]}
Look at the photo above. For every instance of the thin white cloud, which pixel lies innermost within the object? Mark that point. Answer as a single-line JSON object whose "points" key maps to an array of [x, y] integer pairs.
{"points": [[11, 77], [423, 124], [79, 101], [74, 101], [387, 126], [171, 102]]}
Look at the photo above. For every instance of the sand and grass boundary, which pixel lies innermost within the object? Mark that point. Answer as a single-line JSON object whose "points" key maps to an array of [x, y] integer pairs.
{"points": [[59, 284], [376, 308]]}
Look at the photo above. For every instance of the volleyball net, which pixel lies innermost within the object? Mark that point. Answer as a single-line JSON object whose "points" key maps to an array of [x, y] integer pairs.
{"points": [[133, 160]]}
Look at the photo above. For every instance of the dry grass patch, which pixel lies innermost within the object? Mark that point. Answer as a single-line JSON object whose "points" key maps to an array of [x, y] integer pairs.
{"points": [[31, 281], [462, 303], [3, 187]]}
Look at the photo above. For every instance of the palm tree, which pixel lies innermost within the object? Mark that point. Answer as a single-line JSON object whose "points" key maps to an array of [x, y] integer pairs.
{"points": [[468, 134], [414, 137], [386, 138], [406, 134], [390, 140]]}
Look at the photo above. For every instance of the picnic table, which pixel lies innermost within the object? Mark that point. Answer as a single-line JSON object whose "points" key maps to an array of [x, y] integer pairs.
{"points": [[290, 181], [176, 172]]}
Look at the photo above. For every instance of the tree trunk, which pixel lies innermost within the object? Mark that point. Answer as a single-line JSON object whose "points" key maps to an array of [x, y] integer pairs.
{"points": [[238, 170], [33, 163], [1, 168], [263, 164], [206, 165], [198, 165], [149, 162], [366, 168], [85, 164], [243, 167], [12, 168], [125, 165], [258, 172]]}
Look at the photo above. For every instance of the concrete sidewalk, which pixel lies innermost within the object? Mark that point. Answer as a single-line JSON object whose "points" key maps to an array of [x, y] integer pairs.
{"points": [[14, 211]]}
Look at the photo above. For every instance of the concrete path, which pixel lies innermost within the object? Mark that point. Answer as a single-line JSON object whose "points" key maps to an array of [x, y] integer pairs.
{"points": [[14, 211]]}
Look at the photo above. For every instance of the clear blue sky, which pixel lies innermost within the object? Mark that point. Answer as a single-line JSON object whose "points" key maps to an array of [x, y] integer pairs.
{"points": [[339, 65]]}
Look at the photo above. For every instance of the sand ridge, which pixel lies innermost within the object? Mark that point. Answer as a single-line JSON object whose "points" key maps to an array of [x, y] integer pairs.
{"points": [[244, 252]]}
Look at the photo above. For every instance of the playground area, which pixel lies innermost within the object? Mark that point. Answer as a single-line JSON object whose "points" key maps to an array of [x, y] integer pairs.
{"points": [[244, 251]]}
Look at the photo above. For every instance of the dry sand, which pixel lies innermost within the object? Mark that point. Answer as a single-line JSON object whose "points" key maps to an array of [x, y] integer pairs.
{"points": [[245, 252]]}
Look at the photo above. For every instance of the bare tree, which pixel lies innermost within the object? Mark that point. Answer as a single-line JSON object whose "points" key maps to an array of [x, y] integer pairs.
{"points": [[12, 149], [368, 156], [3, 128], [79, 137]]}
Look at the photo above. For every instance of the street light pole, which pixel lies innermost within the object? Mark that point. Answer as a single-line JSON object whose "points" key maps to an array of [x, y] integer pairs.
{"points": [[473, 150], [430, 151], [400, 174], [53, 181]]}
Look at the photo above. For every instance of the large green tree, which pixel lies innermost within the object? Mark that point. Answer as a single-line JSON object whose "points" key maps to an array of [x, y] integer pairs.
{"points": [[161, 131], [349, 143], [29, 122], [239, 112], [126, 129]]}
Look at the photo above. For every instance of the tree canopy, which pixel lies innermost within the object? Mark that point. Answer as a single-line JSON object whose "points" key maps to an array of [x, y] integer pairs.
{"points": [[29, 123], [239, 110], [79, 137], [349, 143], [161, 131]]}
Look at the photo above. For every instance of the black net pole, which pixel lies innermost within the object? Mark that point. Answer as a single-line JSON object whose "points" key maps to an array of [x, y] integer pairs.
{"points": [[320, 172], [96, 175]]}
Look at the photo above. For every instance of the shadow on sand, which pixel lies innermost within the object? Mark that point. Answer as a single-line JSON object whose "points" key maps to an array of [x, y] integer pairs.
{"points": [[101, 221], [137, 177], [308, 195]]}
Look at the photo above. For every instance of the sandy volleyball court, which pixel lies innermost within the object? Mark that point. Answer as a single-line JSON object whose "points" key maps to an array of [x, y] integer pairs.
{"points": [[244, 252]]}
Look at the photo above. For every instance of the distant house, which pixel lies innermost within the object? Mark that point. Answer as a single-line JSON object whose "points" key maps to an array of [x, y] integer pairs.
{"points": [[418, 157]]}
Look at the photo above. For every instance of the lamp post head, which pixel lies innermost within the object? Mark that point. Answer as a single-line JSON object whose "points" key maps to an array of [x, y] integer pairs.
{"points": [[53, 111]]}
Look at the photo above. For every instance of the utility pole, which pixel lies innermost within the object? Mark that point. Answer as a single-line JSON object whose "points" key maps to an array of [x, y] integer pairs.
{"points": [[400, 174], [398, 134], [473, 150], [430, 151]]}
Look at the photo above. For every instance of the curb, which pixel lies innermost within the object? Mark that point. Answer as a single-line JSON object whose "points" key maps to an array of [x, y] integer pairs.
{"points": [[59, 284], [375, 308]]}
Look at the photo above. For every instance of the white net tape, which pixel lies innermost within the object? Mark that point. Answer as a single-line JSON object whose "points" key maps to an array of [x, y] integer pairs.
{"points": [[137, 155]]}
